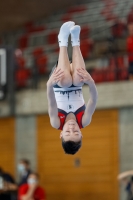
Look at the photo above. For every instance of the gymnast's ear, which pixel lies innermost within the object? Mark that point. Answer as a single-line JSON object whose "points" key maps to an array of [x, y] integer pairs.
{"points": [[61, 134]]}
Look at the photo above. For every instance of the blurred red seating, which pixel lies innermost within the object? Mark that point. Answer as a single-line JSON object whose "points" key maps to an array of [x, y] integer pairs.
{"points": [[72, 10], [36, 29], [38, 52], [75, 9], [42, 64], [85, 31], [31, 28], [56, 50], [23, 41], [120, 62], [110, 75], [67, 17], [110, 4], [20, 62], [118, 29], [22, 76], [103, 75], [112, 63], [94, 75], [52, 37], [129, 44], [130, 17], [86, 47], [123, 74], [105, 12], [116, 71], [122, 69], [111, 17], [98, 75]]}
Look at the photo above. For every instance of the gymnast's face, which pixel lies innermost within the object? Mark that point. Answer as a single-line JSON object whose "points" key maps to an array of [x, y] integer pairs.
{"points": [[71, 131]]}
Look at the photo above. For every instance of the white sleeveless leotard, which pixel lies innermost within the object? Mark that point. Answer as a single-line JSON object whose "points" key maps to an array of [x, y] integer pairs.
{"points": [[69, 99]]}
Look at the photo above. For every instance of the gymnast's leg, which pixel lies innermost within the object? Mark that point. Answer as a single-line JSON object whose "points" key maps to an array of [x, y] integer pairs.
{"points": [[77, 58], [63, 61]]}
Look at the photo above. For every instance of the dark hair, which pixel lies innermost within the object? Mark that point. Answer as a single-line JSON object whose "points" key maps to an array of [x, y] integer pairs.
{"points": [[34, 173], [26, 161], [71, 147]]}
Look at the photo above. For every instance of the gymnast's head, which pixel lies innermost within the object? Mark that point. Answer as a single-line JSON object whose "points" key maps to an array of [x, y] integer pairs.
{"points": [[71, 137]]}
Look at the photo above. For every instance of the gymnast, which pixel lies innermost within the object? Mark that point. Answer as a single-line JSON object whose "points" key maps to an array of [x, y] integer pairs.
{"points": [[66, 106], [127, 179]]}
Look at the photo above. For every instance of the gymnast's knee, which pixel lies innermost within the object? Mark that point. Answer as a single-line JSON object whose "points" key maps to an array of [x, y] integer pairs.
{"points": [[76, 80], [66, 81]]}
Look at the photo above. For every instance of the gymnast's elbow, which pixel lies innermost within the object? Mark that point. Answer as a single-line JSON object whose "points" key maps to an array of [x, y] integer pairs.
{"points": [[86, 121], [54, 123]]}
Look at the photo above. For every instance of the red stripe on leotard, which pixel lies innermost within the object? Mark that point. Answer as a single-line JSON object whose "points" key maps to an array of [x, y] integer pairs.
{"points": [[78, 114], [79, 118], [62, 117]]}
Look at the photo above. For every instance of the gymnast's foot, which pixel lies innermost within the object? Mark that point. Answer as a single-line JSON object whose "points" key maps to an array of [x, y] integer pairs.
{"points": [[64, 33], [75, 35]]}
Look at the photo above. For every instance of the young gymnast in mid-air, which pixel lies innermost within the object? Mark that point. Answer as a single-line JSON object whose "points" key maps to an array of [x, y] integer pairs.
{"points": [[66, 106]]}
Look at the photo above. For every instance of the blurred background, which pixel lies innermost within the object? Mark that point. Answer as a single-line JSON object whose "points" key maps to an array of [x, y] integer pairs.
{"points": [[28, 51]]}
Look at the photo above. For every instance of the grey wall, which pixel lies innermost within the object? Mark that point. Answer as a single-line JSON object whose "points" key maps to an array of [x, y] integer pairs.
{"points": [[110, 95], [126, 143], [26, 139]]}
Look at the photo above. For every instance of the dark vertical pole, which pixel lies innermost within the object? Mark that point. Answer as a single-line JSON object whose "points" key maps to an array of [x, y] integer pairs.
{"points": [[0, 76], [10, 79]]}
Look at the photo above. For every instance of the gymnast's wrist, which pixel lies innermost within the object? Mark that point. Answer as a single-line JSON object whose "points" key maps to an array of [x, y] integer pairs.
{"points": [[49, 84], [90, 82]]}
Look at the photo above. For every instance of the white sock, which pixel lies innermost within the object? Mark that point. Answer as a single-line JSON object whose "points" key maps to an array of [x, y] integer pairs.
{"points": [[75, 34], [64, 33]]}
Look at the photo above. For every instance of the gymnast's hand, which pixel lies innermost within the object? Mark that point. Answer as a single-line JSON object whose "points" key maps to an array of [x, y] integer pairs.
{"points": [[85, 76], [56, 76]]}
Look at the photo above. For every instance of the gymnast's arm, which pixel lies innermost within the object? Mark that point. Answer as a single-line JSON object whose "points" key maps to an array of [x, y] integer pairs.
{"points": [[125, 175], [91, 105], [52, 107], [56, 76]]}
